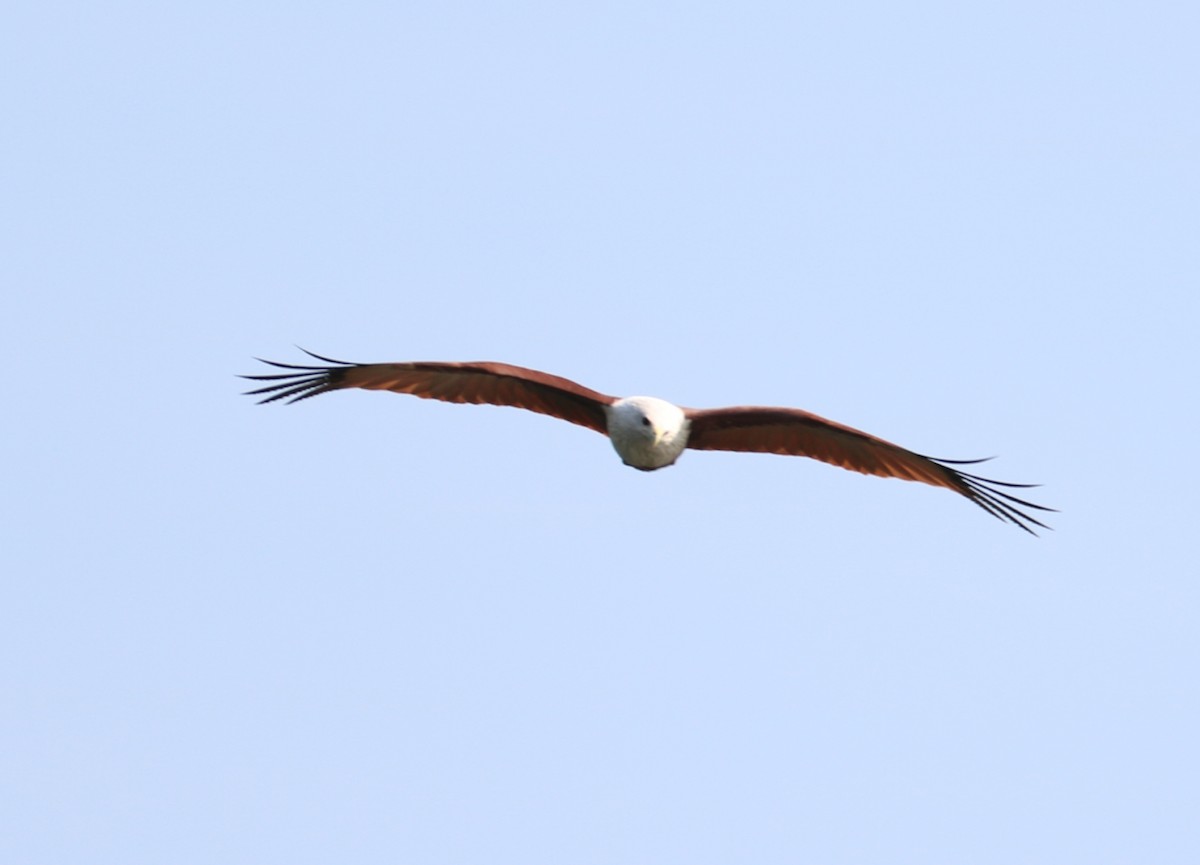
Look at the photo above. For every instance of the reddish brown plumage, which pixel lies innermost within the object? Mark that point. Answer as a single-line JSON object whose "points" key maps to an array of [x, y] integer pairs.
{"points": [[478, 382], [795, 432]]}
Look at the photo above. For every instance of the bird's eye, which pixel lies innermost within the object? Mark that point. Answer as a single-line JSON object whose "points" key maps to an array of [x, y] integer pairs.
{"points": [[645, 421]]}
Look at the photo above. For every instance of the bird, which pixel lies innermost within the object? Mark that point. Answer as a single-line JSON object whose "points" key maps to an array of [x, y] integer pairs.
{"points": [[650, 433]]}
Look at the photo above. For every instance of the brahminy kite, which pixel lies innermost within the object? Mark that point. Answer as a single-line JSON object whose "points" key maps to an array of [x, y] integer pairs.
{"points": [[650, 433]]}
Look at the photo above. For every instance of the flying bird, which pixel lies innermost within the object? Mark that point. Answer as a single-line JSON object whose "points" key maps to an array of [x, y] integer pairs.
{"points": [[650, 433]]}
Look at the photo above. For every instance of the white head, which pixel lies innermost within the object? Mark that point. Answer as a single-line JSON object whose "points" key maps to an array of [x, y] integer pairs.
{"points": [[648, 433]]}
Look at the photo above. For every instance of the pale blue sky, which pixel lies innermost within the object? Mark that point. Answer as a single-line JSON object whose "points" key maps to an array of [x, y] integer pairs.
{"points": [[368, 628]]}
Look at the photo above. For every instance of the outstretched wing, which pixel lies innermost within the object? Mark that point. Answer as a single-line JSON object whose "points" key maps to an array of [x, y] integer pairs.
{"points": [[474, 382], [799, 433]]}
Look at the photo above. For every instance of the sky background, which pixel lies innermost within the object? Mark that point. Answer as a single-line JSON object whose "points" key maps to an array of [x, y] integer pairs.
{"points": [[368, 628]]}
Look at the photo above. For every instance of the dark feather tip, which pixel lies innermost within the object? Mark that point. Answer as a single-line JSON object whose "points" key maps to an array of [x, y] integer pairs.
{"points": [[304, 382]]}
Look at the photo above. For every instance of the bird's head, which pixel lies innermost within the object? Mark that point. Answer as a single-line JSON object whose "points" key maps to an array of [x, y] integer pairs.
{"points": [[648, 420]]}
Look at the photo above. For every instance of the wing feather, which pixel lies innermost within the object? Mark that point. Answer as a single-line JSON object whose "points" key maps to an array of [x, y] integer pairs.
{"points": [[477, 382], [795, 432]]}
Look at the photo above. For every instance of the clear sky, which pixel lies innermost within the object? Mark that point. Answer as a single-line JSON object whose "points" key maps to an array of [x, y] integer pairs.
{"points": [[368, 628]]}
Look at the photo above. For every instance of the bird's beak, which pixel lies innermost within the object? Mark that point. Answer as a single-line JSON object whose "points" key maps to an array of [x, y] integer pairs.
{"points": [[659, 435]]}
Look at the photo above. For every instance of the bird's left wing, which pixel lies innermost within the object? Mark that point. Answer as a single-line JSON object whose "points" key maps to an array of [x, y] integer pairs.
{"points": [[795, 432], [479, 382]]}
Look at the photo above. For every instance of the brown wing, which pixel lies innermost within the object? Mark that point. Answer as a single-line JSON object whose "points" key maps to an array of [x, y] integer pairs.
{"points": [[476, 382], [799, 433]]}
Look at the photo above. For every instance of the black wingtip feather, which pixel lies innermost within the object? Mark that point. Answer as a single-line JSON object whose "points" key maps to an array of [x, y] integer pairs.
{"points": [[325, 359], [947, 462]]}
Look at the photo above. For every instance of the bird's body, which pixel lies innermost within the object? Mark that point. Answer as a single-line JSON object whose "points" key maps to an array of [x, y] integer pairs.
{"points": [[646, 432], [650, 433]]}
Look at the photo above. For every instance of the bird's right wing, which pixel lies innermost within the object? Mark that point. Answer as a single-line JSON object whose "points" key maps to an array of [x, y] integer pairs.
{"points": [[478, 382], [794, 432]]}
